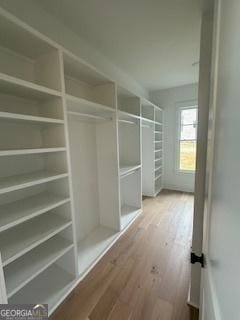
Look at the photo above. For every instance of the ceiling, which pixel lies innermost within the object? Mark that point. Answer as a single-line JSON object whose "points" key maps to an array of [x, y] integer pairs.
{"points": [[154, 41]]}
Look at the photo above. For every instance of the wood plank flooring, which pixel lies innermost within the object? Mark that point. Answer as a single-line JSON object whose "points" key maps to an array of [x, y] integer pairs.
{"points": [[145, 275]]}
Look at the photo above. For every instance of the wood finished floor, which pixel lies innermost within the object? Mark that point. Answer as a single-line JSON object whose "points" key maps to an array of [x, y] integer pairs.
{"points": [[145, 275]]}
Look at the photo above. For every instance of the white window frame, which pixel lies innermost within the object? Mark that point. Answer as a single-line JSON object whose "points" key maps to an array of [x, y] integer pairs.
{"points": [[179, 107]]}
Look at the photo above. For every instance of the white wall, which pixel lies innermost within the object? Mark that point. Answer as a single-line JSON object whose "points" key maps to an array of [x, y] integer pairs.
{"points": [[30, 12], [167, 99]]}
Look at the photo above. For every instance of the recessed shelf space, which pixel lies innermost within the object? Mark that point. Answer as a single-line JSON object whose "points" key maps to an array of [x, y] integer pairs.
{"points": [[31, 110], [93, 154], [158, 184], [93, 246], [24, 171], [158, 155], [147, 110], [50, 287], [158, 136], [93, 89], [22, 238], [19, 207], [158, 115], [129, 142], [131, 197], [128, 102], [87, 110], [26, 268], [28, 57], [21, 135]]}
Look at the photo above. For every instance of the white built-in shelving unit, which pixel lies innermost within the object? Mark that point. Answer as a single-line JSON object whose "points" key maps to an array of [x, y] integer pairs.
{"points": [[71, 164], [152, 148], [130, 162]]}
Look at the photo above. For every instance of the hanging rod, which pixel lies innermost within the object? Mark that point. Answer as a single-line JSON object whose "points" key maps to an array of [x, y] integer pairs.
{"points": [[88, 115]]}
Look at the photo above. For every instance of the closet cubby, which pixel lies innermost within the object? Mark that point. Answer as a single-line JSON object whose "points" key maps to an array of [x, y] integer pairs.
{"points": [[131, 196], [147, 110], [158, 115], [86, 87], [22, 205], [49, 286], [28, 58], [22, 171], [93, 151], [46, 109], [127, 102], [129, 142]]}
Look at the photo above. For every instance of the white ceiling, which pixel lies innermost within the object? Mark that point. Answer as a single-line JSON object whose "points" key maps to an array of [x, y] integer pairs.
{"points": [[154, 41]]}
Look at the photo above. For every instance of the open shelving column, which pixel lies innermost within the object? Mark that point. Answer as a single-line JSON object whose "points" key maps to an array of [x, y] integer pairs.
{"points": [[152, 152], [129, 143], [90, 99], [36, 230], [158, 133]]}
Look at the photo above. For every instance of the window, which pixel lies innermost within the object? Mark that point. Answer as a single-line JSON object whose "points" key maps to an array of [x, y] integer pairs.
{"points": [[187, 141]]}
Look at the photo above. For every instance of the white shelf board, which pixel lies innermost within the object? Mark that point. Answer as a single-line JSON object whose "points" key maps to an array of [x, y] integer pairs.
{"points": [[126, 115], [28, 118], [86, 106], [26, 268], [12, 183], [14, 152], [23, 238], [128, 213], [159, 176], [157, 168], [158, 159], [127, 169], [26, 89], [157, 150], [91, 247], [159, 123], [147, 120], [48, 288], [22, 210]]}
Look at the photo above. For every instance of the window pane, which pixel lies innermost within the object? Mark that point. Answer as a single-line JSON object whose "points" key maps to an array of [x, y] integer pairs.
{"points": [[189, 116], [188, 155], [188, 132]]}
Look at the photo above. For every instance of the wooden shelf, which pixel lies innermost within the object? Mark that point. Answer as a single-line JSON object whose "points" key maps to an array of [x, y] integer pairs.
{"points": [[26, 268], [30, 151], [50, 287], [20, 211], [26, 89], [23, 238], [28, 118], [128, 169], [12, 183], [91, 247], [128, 213]]}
